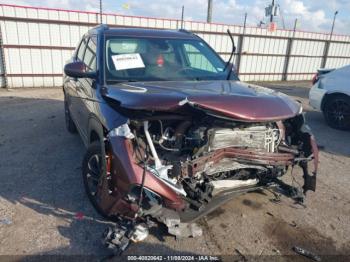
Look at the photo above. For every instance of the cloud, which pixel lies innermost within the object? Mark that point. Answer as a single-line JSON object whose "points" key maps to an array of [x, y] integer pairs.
{"points": [[224, 11], [194, 9], [312, 15], [313, 20], [88, 5], [85, 5], [318, 15]]}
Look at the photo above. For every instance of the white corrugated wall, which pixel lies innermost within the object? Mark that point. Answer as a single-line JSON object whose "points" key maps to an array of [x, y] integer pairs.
{"points": [[38, 41]]}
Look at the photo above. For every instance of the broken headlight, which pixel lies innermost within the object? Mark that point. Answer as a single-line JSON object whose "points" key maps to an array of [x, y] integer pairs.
{"points": [[123, 131]]}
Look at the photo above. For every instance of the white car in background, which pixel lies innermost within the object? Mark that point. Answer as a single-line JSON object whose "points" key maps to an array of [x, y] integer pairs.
{"points": [[330, 94]]}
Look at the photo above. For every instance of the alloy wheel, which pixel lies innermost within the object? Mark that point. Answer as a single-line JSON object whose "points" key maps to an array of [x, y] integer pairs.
{"points": [[338, 113]]}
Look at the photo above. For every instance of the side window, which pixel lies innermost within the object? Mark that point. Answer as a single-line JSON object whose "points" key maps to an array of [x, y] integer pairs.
{"points": [[197, 59], [90, 54], [81, 50]]}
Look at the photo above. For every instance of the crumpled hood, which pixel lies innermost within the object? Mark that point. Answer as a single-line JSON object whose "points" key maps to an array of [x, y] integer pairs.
{"points": [[232, 99]]}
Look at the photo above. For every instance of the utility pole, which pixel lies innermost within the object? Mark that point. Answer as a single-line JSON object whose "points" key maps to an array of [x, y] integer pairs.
{"points": [[272, 9], [100, 11], [295, 25], [210, 11], [245, 22], [182, 17], [335, 14]]}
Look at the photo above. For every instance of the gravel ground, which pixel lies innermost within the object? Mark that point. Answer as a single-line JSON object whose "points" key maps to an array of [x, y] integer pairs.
{"points": [[44, 210]]}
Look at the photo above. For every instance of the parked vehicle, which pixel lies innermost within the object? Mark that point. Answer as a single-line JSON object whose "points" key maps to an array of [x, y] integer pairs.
{"points": [[330, 94], [172, 134]]}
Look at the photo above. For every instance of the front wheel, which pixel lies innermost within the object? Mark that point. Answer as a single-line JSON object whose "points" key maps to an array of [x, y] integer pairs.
{"points": [[337, 112], [93, 171]]}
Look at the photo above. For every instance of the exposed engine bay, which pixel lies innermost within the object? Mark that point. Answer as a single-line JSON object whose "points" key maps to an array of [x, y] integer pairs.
{"points": [[203, 157]]}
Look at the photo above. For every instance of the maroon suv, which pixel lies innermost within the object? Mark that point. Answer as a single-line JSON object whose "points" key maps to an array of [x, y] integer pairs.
{"points": [[171, 133]]}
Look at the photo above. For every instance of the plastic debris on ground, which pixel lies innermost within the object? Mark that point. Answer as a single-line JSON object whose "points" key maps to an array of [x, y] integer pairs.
{"points": [[306, 253]]}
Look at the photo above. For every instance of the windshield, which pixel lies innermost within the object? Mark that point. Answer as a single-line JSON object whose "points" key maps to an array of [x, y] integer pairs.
{"points": [[161, 59]]}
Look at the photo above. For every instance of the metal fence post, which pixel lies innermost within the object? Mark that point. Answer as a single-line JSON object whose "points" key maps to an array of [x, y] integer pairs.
{"points": [[287, 58], [325, 54], [240, 45], [3, 77], [239, 52]]}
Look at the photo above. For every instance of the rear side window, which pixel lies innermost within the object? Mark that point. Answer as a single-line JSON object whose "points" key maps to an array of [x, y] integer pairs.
{"points": [[90, 54], [81, 50]]}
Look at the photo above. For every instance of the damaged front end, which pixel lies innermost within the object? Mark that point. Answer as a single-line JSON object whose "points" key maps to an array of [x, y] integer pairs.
{"points": [[176, 168]]}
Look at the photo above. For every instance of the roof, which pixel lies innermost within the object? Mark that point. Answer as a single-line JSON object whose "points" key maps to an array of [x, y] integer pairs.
{"points": [[143, 32]]}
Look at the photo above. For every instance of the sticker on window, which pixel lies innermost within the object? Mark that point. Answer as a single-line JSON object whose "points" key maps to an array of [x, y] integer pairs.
{"points": [[127, 61]]}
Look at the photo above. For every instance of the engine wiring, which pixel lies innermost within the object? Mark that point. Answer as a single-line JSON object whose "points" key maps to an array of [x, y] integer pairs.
{"points": [[163, 137]]}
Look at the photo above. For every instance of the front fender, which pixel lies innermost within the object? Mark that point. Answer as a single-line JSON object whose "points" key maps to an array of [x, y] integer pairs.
{"points": [[126, 172]]}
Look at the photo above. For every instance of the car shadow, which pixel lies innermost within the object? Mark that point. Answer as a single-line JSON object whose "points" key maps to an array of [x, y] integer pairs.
{"points": [[41, 186]]}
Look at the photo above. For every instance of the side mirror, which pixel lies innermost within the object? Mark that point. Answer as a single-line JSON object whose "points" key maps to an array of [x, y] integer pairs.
{"points": [[78, 70]]}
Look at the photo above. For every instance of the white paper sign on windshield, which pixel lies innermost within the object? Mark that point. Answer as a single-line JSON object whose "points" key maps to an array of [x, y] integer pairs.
{"points": [[127, 61]]}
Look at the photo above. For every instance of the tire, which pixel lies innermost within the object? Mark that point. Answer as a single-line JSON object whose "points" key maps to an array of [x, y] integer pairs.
{"points": [[93, 168], [337, 112], [70, 126]]}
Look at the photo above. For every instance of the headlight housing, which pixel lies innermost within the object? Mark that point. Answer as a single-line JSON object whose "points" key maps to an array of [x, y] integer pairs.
{"points": [[121, 131]]}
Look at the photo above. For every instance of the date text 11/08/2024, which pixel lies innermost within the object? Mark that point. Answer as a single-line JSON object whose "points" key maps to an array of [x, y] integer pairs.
{"points": [[174, 258]]}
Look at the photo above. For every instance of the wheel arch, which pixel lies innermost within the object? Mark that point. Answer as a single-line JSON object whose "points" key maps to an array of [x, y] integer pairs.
{"points": [[96, 131]]}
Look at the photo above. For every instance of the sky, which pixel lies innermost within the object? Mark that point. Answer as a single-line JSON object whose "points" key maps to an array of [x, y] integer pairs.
{"points": [[312, 15]]}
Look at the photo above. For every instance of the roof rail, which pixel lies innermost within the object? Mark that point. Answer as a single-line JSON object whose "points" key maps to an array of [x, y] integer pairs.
{"points": [[185, 31]]}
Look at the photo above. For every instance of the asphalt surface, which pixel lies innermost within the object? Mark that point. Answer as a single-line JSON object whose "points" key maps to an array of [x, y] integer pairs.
{"points": [[44, 210]]}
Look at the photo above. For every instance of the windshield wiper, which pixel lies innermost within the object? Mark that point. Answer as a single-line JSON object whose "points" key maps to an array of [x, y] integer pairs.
{"points": [[231, 55]]}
